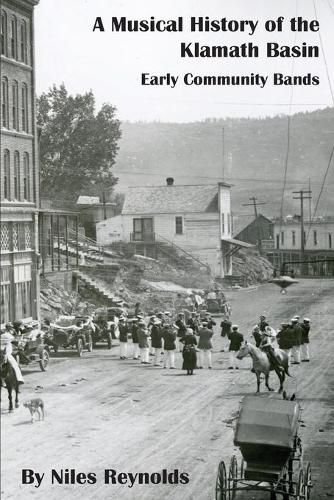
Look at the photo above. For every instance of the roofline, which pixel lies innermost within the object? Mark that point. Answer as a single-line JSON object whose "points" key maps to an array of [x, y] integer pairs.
{"points": [[178, 185], [139, 214]]}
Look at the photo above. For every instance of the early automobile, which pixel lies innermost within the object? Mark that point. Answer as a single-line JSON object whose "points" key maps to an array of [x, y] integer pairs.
{"points": [[72, 332], [30, 348]]}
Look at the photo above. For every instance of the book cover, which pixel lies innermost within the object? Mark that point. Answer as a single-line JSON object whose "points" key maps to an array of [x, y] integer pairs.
{"points": [[166, 197]]}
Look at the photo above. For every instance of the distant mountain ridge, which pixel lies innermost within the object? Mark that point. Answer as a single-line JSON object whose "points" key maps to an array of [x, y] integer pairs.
{"points": [[255, 152]]}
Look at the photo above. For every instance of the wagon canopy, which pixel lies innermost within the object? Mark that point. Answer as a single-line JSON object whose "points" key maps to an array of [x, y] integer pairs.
{"points": [[265, 421]]}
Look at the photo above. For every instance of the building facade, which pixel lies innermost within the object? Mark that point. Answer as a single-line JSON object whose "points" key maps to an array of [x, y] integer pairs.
{"points": [[195, 218], [318, 246], [19, 163]]}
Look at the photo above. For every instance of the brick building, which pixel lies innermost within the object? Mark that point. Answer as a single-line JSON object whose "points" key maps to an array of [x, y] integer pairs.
{"points": [[19, 163]]}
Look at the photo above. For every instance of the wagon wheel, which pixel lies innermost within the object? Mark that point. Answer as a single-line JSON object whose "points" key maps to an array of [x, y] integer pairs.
{"points": [[308, 481], [221, 482], [233, 476], [109, 340], [90, 343], [80, 346], [300, 486], [44, 360]]}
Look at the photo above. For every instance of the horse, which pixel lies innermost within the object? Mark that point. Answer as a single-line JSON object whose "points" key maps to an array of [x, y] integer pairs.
{"points": [[262, 364], [7, 373]]}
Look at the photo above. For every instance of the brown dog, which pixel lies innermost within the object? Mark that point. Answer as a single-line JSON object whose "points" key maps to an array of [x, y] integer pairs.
{"points": [[35, 406]]}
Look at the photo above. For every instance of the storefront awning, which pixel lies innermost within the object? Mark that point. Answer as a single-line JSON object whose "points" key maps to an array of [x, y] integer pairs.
{"points": [[237, 243]]}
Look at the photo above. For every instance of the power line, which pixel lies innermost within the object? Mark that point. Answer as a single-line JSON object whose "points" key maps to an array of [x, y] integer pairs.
{"points": [[330, 6], [302, 197], [288, 134], [255, 204], [324, 56], [321, 190]]}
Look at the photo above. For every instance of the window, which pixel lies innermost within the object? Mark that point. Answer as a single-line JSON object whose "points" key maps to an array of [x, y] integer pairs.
{"points": [[6, 179], [15, 106], [26, 177], [5, 237], [4, 102], [23, 42], [178, 225], [329, 240], [22, 280], [16, 175], [282, 237], [293, 238], [24, 109], [5, 294], [315, 238], [223, 223], [13, 38], [3, 33], [229, 223]]}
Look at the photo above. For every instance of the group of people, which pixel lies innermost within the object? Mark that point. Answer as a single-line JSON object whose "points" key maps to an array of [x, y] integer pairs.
{"points": [[162, 337], [292, 337]]}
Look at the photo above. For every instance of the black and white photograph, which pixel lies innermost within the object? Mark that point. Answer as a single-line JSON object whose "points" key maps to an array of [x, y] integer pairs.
{"points": [[167, 249]]}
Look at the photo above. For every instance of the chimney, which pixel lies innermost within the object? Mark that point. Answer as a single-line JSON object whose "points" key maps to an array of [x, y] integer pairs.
{"points": [[170, 181]]}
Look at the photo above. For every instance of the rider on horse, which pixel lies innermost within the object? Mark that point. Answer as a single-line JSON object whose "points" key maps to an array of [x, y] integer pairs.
{"points": [[267, 346], [6, 339]]}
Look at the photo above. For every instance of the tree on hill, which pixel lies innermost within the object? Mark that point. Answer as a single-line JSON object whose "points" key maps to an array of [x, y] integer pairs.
{"points": [[78, 146]]}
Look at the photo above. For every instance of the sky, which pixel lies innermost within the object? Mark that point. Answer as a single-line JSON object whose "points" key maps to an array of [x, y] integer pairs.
{"points": [[111, 63]]}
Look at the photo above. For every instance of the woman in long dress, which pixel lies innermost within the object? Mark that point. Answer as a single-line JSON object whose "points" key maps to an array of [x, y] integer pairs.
{"points": [[189, 351]]}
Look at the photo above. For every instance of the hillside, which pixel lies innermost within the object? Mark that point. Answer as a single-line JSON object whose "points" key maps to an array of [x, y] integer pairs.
{"points": [[254, 158]]}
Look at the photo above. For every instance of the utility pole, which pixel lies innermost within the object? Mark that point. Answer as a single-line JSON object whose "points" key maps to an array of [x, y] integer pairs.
{"points": [[302, 196], [255, 204]]}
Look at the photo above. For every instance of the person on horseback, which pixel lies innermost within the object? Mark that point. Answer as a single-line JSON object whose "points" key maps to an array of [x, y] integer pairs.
{"points": [[267, 346], [6, 339]]}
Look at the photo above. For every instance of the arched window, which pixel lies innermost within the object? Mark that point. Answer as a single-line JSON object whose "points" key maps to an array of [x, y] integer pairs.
{"points": [[23, 41], [13, 37], [16, 175], [3, 33], [6, 179], [15, 106], [26, 177], [4, 103], [24, 108]]}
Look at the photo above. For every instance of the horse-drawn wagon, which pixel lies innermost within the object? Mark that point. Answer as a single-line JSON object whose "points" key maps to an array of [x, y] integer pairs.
{"points": [[72, 331], [272, 460]]}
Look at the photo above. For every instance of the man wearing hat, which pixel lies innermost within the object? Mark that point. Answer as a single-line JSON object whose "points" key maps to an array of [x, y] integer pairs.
{"points": [[182, 329], [169, 336], [193, 323], [161, 318], [285, 338], [305, 326], [262, 323], [143, 336], [236, 338], [134, 333], [123, 337], [209, 320], [156, 340], [205, 345], [297, 340]]}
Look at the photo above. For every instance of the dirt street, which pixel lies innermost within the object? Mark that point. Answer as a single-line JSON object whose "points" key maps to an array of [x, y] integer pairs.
{"points": [[104, 413]]}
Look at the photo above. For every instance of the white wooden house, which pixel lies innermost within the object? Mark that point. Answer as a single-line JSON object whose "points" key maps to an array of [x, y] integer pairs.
{"points": [[195, 218]]}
